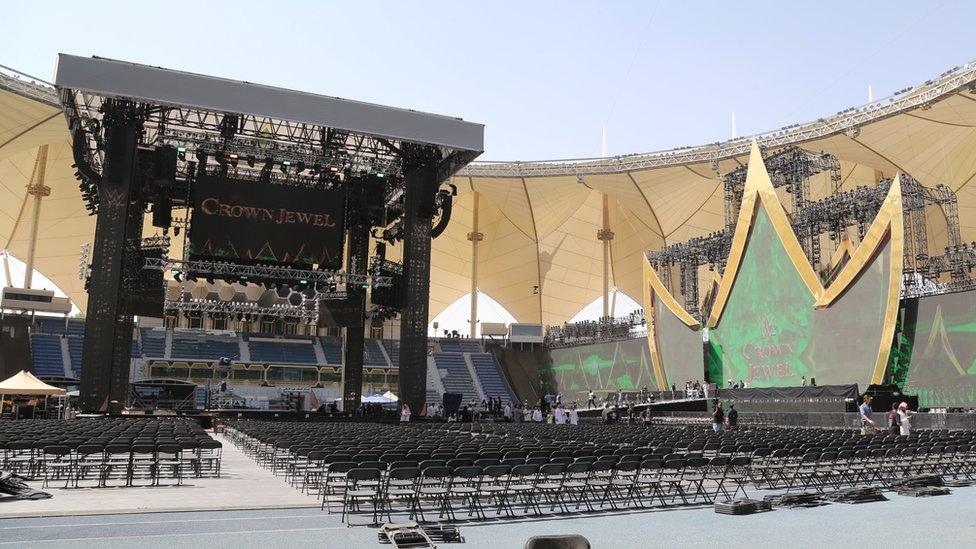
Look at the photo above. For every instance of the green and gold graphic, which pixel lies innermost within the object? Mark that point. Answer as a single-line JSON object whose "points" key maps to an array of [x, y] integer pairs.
{"points": [[602, 368], [772, 320], [942, 370]]}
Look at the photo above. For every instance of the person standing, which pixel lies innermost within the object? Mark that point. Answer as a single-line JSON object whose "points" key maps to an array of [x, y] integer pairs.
{"points": [[537, 415], [405, 414], [560, 415], [591, 403], [894, 420], [718, 417], [904, 419], [803, 381], [573, 416], [868, 427], [732, 418]]}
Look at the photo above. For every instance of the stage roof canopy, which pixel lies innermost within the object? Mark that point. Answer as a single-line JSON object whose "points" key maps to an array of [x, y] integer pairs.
{"points": [[540, 219]]}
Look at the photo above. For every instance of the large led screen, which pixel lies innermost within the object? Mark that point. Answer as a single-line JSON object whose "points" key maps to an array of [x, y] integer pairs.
{"points": [[942, 371], [246, 220], [770, 334], [679, 347], [602, 368]]}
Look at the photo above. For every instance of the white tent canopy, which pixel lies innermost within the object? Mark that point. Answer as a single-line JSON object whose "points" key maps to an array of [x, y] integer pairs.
{"points": [[24, 383]]}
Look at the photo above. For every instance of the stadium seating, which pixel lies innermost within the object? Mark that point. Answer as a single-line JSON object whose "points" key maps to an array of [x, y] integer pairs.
{"points": [[76, 349], [332, 348], [195, 344], [373, 355], [287, 353], [458, 379], [490, 376], [48, 361], [153, 343], [460, 346], [393, 349]]}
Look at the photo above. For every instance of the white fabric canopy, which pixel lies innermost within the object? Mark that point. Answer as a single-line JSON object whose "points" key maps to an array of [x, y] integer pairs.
{"points": [[539, 255], [24, 383]]}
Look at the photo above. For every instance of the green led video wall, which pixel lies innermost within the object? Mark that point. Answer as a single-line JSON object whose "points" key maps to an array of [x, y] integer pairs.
{"points": [[769, 334], [942, 339], [679, 347], [601, 367]]}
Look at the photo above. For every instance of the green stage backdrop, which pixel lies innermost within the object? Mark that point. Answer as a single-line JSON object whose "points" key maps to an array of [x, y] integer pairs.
{"points": [[679, 347], [770, 335], [942, 370], [602, 367]]}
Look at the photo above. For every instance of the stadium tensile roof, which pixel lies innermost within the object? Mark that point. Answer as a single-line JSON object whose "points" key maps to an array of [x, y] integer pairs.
{"points": [[540, 219]]}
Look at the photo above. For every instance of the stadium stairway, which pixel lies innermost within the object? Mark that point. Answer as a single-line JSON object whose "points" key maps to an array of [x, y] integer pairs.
{"points": [[489, 375], [474, 377], [458, 379], [67, 360], [435, 389]]}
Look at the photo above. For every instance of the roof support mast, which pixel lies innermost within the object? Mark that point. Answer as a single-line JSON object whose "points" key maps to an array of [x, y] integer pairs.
{"points": [[475, 236], [38, 190]]}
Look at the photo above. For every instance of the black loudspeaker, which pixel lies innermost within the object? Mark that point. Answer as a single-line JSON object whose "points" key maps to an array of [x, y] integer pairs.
{"points": [[452, 402]]}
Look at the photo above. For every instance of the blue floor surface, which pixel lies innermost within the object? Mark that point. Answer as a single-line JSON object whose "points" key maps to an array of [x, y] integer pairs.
{"points": [[944, 522]]}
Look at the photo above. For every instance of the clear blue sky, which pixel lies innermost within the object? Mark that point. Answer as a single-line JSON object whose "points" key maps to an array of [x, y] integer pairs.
{"points": [[542, 76]]}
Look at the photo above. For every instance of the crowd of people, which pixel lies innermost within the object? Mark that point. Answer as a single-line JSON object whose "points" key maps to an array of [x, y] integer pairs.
{"points": [[606, 328]]}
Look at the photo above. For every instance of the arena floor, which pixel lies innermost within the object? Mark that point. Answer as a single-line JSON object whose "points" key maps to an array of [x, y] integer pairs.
{"points": [[945, 522], [242, 485]]}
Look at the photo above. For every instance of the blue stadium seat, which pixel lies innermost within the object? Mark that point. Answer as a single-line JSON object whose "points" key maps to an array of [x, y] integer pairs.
{"points": [[153, 343], [198, 345], [490, 376], [332, 348], [458, 379], [46, 349], [373, 355], [279, 352]]}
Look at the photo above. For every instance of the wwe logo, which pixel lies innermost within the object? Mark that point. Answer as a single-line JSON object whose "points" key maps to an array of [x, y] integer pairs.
{"points": [[768, 328], [113, 198]]}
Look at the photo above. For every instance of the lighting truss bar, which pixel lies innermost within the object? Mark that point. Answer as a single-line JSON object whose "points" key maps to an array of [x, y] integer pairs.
{"points": [[193, 110], [158, 86], [954, 81], [218, 269], [210, 307]]}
